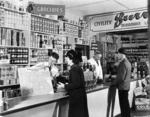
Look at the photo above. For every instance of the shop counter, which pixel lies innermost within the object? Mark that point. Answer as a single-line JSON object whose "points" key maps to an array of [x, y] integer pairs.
{"points": [[24, 103], [102, 102], [105, 103]]}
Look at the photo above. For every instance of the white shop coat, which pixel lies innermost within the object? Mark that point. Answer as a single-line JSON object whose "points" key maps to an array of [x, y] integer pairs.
{"points": [[98, 70]]}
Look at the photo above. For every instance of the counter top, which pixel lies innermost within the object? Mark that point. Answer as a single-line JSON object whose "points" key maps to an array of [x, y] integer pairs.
{"points": [[23, 103]]}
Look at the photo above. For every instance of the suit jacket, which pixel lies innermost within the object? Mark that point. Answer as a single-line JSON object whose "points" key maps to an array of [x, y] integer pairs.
{"points": [[77, 93], [123, 76]]}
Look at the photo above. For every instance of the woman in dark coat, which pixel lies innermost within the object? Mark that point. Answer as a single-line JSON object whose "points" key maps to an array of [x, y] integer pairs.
{"points": [[76, 88]]}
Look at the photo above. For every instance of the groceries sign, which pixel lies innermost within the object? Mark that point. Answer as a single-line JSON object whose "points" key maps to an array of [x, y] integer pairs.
{"points": [[44, 9], [120, 21]]}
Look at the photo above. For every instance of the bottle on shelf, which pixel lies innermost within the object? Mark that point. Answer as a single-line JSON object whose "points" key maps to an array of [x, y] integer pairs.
{"points": [[139, 74], [143, 75], [40, 42]]}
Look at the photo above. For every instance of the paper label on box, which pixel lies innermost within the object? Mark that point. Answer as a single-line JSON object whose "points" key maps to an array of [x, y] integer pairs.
{"points": [[138, 91]]}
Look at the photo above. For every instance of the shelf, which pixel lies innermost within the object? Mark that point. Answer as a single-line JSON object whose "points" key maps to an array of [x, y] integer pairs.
{"points": [[13, 28], [57, 49], [10, 46], [6, 65], [75, 25], [55, 63], [40, 48], [134, 44], [138, 53], [8, 86], [82, 44], [63, 35], [13, 10], [19, 64], [44, 17], [69, 36], [10, 64], [111, 52], [44, 33]]}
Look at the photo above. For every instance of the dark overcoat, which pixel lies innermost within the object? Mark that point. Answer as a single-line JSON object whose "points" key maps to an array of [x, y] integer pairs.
{"points": [[77, 93]]}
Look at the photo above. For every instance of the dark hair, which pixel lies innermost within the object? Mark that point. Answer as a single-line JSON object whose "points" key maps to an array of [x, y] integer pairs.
{"points": [[121, 50], [74, 56], [55, 55]]}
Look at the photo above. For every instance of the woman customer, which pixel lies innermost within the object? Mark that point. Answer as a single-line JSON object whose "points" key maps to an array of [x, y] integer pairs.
{"points": [[76, 87]]}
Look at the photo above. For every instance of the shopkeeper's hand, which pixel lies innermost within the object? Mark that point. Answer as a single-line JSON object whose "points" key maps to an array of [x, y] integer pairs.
{"points": [[60, 85]]}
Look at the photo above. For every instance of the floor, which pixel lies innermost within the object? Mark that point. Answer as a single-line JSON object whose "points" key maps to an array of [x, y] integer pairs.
{"points": [[138, 114]]}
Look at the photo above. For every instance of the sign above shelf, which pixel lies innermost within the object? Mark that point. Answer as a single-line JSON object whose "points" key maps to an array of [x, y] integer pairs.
{"points": [[44, 9]]}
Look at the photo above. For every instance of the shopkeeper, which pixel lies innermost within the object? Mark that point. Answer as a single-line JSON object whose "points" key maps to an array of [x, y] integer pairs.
{"points": [[96, 63], [50, 66]]}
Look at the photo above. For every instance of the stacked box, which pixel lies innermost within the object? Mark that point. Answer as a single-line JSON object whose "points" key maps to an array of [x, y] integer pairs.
{"points": [[8, 75], [142, 104], [42, 56], [141, 100]]}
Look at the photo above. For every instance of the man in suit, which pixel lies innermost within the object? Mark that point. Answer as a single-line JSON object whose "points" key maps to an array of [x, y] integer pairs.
{"points": [[122, 82]]}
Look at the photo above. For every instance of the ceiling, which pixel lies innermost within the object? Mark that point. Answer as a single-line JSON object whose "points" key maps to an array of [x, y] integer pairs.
{"points": [[90, 7]]}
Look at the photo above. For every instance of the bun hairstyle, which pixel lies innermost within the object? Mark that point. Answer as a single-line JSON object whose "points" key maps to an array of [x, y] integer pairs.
{"points": [[74, 56]]}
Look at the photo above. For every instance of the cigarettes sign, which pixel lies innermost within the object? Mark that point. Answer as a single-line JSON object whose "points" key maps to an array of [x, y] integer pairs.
{"points": [[44, 9]]}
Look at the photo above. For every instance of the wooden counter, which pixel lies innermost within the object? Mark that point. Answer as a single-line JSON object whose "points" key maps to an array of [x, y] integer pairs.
{"points": [[47, 105]]}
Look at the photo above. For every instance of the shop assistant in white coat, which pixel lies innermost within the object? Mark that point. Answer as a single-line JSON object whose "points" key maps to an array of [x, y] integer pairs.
{"points": [[49, 66], [95, 62]]}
